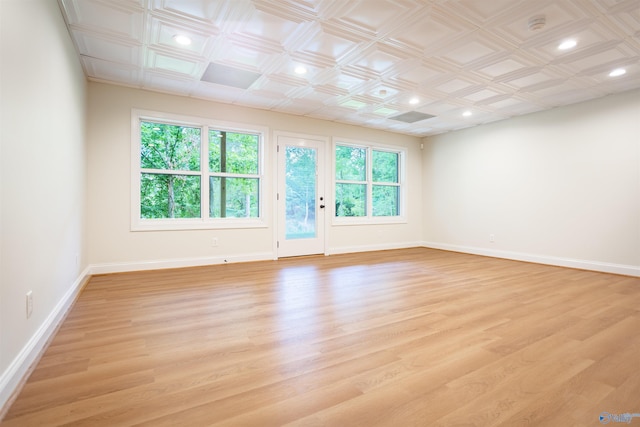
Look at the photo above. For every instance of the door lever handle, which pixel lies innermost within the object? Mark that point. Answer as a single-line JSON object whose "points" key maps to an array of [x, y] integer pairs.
{"points": [[321, 206]]}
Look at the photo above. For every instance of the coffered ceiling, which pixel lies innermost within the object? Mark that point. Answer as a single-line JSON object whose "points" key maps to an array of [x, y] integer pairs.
{"points": [[366, 61]]}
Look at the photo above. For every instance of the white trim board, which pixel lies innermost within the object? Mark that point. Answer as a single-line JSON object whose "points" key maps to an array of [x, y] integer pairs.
{"points": [[13, 378], [603, 267], [124, 267], [371, 248]]}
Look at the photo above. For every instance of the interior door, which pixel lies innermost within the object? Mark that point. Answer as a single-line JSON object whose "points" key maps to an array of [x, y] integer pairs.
{"points": [[301, 202]]}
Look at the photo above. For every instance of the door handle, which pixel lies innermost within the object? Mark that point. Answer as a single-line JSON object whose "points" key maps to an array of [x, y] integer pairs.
{"points": [[321, 206]]}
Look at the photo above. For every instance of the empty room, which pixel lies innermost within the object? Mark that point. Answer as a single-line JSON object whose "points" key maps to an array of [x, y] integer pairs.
{"points": [[319, 212]]}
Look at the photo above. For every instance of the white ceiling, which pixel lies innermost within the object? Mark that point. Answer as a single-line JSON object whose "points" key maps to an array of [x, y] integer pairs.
{"points": [[367, 58]]}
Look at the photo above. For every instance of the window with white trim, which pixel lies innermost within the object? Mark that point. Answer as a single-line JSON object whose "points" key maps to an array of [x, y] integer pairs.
{"points": [[190, 173], [368, 183]]}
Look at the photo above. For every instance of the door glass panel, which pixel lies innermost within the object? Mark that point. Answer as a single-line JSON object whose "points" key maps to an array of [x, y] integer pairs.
{"points": [[300, 203]]}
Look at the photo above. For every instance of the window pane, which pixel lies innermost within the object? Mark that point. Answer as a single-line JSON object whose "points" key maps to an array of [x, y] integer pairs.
{"points": [[351, 163], [233, 197], [300, 200], [351, 200], [385, 200], [233, 152], [169, 196], [169, 147], [385, 166]]}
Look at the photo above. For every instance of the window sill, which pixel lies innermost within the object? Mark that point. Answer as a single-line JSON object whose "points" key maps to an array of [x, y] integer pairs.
{"points": [[196, 224], [368, 220]]}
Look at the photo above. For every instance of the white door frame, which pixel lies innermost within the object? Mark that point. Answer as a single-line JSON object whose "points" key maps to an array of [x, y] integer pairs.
{"points": [[322, 215]]}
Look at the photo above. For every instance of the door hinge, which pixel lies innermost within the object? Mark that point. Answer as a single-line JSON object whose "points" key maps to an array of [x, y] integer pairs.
{"points": [[278, 245]]}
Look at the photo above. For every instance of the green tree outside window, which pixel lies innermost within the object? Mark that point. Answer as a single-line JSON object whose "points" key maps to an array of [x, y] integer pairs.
{"points": [[173, 174], [364, 175]]}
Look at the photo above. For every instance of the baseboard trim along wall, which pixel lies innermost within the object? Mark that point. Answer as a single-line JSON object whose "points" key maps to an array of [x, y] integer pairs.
{"points": [[371, 248], [603, 267], [14, 377], [124, 267]]}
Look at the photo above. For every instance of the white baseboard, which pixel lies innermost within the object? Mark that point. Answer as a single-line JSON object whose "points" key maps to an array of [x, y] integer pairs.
{"points": [[17, 372], [123, 267], [626, 270], [370, 248]]}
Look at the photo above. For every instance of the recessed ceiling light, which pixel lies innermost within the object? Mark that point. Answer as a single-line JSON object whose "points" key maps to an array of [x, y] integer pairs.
{"points": [[414, 101], [300, 70], [467, 113], [182, 39], [567, 44], [617, 72]]}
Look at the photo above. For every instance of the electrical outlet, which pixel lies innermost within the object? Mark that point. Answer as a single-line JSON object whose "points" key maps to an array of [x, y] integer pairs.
{"points": [[214, 242], [492, 238], [29, 303]]}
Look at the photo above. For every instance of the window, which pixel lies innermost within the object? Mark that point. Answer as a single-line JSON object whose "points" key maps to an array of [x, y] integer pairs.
{"points": [[169, 171], [189, 174], [368, 183], [351, 181], [385, 189], [233, 174]]}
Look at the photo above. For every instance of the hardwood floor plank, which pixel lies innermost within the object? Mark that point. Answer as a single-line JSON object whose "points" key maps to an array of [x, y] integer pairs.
{"points": [[407, 337], [573, 402], [277, 413]]}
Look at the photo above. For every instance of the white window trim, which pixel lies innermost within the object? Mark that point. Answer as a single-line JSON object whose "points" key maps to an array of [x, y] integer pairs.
{"points": [[369, 218], [203, 223]]}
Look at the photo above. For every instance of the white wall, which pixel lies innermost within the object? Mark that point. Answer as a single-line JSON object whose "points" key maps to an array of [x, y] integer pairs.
{"points": [[559, 187], [42, 176], [113, 247]]}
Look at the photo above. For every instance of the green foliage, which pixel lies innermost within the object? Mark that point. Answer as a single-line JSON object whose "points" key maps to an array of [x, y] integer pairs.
{"points": [[241, 152], [165, 147], [238, 154], [384, 166], [385, 200], [155, 190], [351, 197], [233, 197], [351, 163], [171, 148], [385, 197], [300, 170]]}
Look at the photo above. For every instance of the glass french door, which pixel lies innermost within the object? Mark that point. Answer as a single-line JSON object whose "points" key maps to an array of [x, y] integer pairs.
{"points": [[301, 202]]}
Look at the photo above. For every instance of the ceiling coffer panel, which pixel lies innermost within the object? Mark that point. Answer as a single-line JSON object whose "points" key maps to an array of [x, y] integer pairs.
{"points": [[373, 63]]}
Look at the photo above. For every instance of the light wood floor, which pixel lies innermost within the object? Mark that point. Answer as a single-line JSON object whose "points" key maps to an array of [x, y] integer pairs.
{"points": [[414, 337]]}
